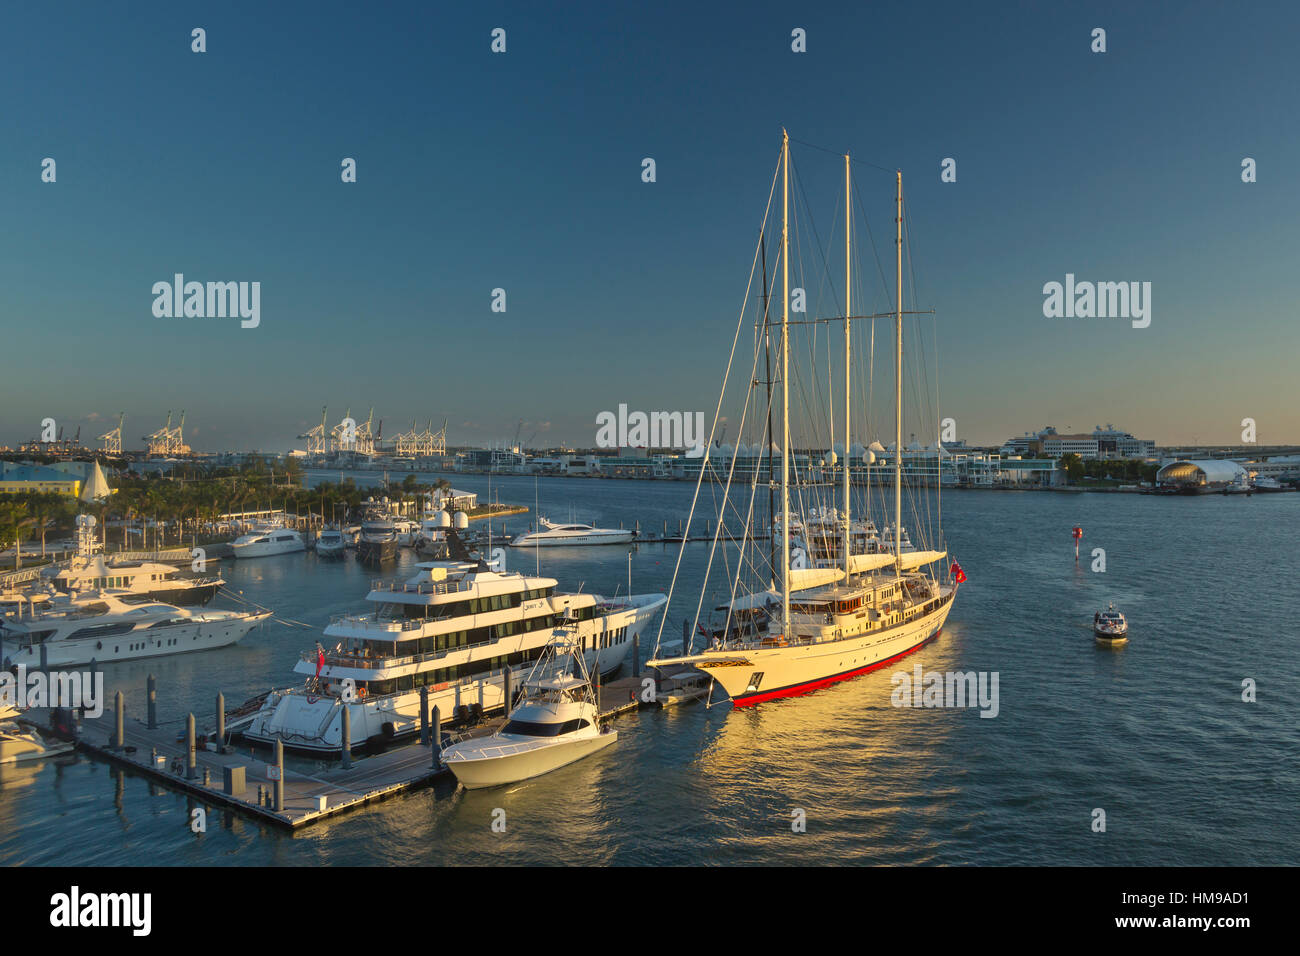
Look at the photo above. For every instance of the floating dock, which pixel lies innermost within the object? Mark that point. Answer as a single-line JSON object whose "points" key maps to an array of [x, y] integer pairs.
{"points": [[245, 779]]}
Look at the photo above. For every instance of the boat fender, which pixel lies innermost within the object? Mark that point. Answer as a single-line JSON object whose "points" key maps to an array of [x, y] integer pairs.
{"points": [[388, 730], [99, 645]]}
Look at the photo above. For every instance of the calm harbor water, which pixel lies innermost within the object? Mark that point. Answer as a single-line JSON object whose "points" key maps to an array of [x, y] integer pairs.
{"points": [[1155, 733]]}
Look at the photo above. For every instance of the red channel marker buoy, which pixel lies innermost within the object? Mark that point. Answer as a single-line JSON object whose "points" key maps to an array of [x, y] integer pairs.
{"points": [[1077, 533]]}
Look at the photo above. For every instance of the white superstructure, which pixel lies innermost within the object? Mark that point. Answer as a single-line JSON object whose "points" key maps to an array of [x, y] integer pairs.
{"points": [[454, 628]]}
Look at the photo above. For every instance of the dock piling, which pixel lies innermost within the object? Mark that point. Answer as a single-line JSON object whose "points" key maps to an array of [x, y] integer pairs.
{"points": [[151, 686], [190, 755], [506, 685], [279, 778], [345, 746], [437, 738], [119, 728], [424, 715], [636, 655], [221, 722]]}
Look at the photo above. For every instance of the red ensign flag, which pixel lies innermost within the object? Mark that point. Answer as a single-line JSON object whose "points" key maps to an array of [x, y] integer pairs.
{"points": [[958, 574]]}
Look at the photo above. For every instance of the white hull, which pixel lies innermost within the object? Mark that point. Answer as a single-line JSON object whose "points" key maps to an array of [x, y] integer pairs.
{"points": [[546, 540], [151, 642], [750, 676], [268, 549], [307, 722], [496, 771]]}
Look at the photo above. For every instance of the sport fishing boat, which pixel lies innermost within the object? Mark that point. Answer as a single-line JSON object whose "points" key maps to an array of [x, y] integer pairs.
{"points": [[453, 628], [822, 624], [103, 627], [1109, 626], [555, 723], [268, 543], [570, 535]]}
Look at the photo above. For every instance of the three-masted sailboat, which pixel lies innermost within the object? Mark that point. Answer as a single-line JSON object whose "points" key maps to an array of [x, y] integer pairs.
{"points": [[831, 623]]}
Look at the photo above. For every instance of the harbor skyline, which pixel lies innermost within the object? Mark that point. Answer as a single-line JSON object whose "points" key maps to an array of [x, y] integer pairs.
{"points": [[478, 171]]}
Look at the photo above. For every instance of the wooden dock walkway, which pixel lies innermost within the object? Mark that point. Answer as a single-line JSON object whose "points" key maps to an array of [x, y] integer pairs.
{"points": [[309, 796]]}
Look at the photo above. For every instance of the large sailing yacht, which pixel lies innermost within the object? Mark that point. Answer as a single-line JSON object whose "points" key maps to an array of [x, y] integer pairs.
{"points": [[830, 620]]}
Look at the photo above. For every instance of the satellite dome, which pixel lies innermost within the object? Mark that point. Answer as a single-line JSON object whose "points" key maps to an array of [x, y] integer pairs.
{"points": [[460, 520]]}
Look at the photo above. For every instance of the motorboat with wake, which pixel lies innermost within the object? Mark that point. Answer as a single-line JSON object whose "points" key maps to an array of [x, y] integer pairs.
{"points": [[555, 723], [1109, 626]]}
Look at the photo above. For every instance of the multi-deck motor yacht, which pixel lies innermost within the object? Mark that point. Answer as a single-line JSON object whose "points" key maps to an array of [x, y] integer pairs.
{"points": [[102, 627], [570, 535], [454, 628], [152, 579], [265, 544], [378, 541], [554, 724]]}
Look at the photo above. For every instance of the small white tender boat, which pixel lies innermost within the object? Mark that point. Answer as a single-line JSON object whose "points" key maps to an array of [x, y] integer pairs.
{"points": [[570, 535], [682, 688], [1109, 626], [555, 724]]}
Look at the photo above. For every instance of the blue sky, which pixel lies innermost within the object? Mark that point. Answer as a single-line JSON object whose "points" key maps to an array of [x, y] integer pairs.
{"points": [[522, 171]]}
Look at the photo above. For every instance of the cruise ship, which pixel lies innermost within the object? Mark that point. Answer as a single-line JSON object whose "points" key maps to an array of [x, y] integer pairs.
{"points": [[454, 628]]}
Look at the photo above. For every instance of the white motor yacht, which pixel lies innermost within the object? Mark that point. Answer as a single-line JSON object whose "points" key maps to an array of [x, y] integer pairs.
{"points": [[330, 543], [103, 627], [555, 723], [570, 535], [453, 629], [265, 544]]}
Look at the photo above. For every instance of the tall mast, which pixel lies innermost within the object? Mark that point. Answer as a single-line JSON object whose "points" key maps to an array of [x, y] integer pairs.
{"points": [[898, 388], [785, 383], [848, 310], [771, 463]]}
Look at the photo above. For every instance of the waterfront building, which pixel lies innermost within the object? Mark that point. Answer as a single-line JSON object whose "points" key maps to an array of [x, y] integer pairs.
{"points": [[1102, 443], [1191, 476], [20, 478]]}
